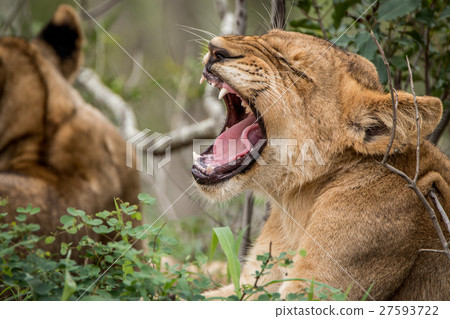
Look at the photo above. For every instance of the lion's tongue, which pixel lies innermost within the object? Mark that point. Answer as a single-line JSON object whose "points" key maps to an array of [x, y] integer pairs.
{"points": [[235, 141]]}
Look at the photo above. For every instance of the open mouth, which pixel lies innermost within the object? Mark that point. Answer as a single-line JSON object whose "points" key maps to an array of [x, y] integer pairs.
{"points": [[240, 142]]}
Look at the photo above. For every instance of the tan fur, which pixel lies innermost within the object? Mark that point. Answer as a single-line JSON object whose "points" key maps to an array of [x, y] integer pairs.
{"points": [[358, 222], [56, 151]]}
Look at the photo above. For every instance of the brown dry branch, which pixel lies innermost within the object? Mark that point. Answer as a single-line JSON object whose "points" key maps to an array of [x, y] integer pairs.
{"points": [[416, 108], [248, 214], [440, 209], [12, 16], [445, 120], [394, 100], [123, 113], [319, 19], [412, 182]]}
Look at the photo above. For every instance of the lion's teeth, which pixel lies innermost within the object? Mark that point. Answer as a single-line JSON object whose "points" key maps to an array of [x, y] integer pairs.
{"points": [[223, 92], [243, 104], [213, 84], [195, 156], [202, 79], [209, 169]]}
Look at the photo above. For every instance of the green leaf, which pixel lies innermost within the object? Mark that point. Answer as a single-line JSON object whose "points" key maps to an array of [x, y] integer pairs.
{"points": [[426, 16], [72, 230], [21, 217], [226, 240], [24, 210], [146, 199], [127, 267], [3, 201], [49, 239], [67, 220], [35, 210], [392, 9], [340, 11], [70, 285], [95, 222], [302, 253], [102, 229], [304, 4], [104, 215], [137, 216], [445, 14], [64, 248]]}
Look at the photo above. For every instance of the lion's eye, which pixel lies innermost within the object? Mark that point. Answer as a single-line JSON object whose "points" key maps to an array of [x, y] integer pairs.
{"points": [[220, 56]]}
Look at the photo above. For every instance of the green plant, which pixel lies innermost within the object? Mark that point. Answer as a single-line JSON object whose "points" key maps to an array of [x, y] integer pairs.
{"points": [[112, 271], [315, 291]]}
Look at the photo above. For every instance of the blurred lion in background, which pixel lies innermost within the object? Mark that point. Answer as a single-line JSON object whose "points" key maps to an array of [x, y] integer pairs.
{"points": [[56, 151]]}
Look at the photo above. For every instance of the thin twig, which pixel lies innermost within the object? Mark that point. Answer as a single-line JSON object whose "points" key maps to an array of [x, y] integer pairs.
{"points": [[427, 63], [416, 108], [319, 19], [425, 203], [440, 209], [12, 16], [432, 251], [101, 9], [412, 183], [122, 112], [248, 214], [156, 236], [440, 128], [394, 101], [263, 268]]}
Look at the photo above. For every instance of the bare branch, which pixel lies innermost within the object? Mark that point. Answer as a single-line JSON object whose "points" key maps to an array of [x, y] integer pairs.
{"points": [[122, 112], [319, 19], [227, 17], [432, 251], [101, 9], [183, 136], [440, 209], [240, 17], [263, 267], [222, 8], [248, 214], [392, 91], [411, 182], [12, 15], [416, 108], [278, 14], [440, 128]]}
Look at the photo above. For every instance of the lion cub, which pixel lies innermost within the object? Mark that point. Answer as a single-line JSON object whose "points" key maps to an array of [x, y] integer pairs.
{"points": [[56, 151], [307, 123]]}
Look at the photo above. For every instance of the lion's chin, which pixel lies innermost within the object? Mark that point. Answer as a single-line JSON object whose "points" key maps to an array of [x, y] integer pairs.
{"points": [[223, 191]]}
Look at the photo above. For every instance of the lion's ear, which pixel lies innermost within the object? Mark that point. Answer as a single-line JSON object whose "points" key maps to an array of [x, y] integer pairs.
{"points": [[61, 40], [369, 121]]}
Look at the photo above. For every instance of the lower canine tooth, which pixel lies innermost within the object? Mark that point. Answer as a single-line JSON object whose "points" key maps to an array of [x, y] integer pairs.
{"points": [[222, 93], [209, 169]]}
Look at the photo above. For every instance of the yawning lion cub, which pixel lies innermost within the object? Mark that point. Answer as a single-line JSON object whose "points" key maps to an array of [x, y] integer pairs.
{"points": [[306, 126]]}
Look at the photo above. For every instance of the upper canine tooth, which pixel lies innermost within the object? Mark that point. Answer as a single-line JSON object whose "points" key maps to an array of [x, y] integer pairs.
{"points": [[202, 79], [223, 92], [195, 156]]}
